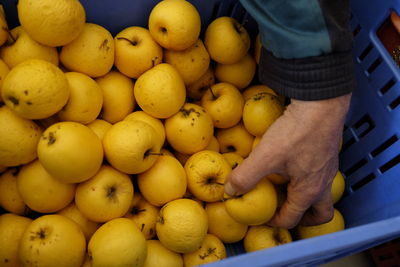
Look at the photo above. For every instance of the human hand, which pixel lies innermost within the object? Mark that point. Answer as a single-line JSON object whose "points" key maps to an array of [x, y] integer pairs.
{"points": [[302, 145]]}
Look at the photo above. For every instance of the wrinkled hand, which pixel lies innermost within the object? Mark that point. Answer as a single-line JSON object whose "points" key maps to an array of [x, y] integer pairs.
{"points": [[302, 145]]}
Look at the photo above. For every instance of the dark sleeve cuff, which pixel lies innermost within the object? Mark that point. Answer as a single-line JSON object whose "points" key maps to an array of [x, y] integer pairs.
{"points": [[311, 78]]}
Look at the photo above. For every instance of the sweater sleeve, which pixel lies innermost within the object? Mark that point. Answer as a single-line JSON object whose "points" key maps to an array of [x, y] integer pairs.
{"points": [[307, 44]]}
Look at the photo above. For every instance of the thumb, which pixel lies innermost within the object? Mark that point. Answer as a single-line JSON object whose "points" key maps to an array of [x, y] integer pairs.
{"points": [[255, 167]]}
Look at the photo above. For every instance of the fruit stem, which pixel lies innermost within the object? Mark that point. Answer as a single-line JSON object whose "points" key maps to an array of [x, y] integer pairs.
{"points": [[214, 97], [134, 43]]}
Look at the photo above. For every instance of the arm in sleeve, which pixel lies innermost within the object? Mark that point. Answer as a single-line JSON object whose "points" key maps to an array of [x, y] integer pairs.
{"points": [[307, 46]]}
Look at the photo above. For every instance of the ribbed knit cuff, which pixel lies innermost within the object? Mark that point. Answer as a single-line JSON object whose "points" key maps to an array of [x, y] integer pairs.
{"points": [[311, 78]]}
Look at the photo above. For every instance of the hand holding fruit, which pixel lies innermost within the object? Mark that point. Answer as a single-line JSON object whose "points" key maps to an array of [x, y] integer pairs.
{"points": [[302, 145]]}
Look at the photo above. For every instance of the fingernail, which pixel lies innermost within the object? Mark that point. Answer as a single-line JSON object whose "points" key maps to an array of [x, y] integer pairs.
{"points": [[229, 189]]}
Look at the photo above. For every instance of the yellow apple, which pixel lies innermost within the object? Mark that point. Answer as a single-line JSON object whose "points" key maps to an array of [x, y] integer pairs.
{"points": [[224, 103], [52, 240], [144, 215], [182, 225], [91, 53], [226, 40], [10, 198], [105, 196], [233, 158], [338, 185], [99, 127], [260, 112], [4, 69], [240, 73], [85, 99], [196, 90], [175, 24], [163, 182], [159, 255], [254, 207], [52, 23], [131, 146], [118, 97], [222, 225], [136, 51], [190, 130], [11, 229], [191, 63], [87, 226], [42, 192], [213, 145], [117, 243], [336, 224], [17, 132], [206, 173], [20, 47], [211, 250], [251, 91], [70, 152], [262, 237], [153, 122], [160, 91], [235, 139]]}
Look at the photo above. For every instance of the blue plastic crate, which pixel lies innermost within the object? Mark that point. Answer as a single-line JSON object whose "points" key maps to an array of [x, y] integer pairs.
{"points": [[371, 150]]}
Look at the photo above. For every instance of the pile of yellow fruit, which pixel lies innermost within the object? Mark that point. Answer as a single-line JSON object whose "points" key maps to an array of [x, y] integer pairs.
{"points": [[114, 150]]}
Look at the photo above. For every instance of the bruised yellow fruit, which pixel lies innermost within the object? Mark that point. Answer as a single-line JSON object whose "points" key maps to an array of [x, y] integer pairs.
{"points": [[211, 250], [254, 207], [20, 47], [20, 133], [91, 53], [163, 182], [240, 73], [11, 229], [10, 198], [87, 226], [159, 255], [53, 240], [52, 22], [198, 88], [35, 89], [336, 224], [85, 99], [70, 152], [191, 63], [182, 225], [105, 196], [153, 122], [260, 112], [190, 130], [118, 97], [144, 215], [160, 91], [233, 159], [175, 24], [222, 225], [40, 191], [226, 40], [206, 173], [117, 243], [131, 146], [262, 237], [136, 51], [99, 127], [4, 69], [224, 103], [235, 139], [338, 185]]}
